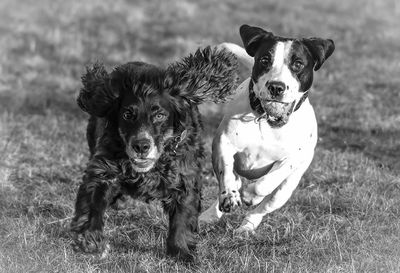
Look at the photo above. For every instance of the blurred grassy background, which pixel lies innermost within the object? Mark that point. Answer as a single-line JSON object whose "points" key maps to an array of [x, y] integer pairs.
{"points": [[343, 218]]}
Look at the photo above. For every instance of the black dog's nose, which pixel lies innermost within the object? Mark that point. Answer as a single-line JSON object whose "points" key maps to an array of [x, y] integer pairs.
{"points": [[276, 88], [141, 146]]}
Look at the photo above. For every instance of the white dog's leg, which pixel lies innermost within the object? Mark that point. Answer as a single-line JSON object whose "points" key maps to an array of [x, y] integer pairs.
{"points": [[229, 182], [270, 203], [276, 199], [255, 192]]}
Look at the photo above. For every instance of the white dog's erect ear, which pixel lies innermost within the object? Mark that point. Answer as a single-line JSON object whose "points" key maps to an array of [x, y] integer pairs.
{"points": [[252, 36], [320, 50], [207, 75], [96, 97]]}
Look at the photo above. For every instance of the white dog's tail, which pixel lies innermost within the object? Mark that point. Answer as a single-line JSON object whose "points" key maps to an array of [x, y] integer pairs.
{"points": [[240, 53]]}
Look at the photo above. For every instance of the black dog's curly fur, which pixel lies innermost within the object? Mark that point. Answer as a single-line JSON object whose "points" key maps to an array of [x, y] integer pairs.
{"points": [[207, 75]]}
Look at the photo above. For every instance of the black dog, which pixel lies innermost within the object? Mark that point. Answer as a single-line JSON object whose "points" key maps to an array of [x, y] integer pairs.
{"points": [[144, 139]]}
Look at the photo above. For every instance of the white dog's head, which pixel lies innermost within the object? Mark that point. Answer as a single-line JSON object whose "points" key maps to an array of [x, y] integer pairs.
{"points": [[283, 69]]}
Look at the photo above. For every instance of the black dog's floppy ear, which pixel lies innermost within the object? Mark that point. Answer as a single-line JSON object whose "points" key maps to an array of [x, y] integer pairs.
{"points": [[252, 36], [207, 75], [320, 50], [97, 96]]}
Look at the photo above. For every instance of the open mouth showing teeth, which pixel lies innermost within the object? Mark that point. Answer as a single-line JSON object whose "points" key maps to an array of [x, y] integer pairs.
{"points": [[272, 118], [277, 108], [277, 112], [276, 101]]}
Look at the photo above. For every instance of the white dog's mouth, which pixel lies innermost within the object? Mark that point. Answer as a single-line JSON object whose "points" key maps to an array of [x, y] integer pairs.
{"points": [[277, 108], [277, 101], [277, 113]]}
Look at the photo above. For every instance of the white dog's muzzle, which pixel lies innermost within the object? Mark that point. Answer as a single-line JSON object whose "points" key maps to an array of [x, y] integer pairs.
{"points": [[276, 113]]}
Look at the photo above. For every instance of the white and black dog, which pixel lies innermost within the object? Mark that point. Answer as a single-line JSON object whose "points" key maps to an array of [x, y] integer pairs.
{"points": [[268, 135]]}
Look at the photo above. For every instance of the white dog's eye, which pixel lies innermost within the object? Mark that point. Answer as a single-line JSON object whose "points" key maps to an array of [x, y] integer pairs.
{"points": [[297, 65], [127, 115], [265, 60]]}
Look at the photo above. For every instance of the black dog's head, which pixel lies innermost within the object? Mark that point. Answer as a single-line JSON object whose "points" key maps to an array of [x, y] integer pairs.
{"points": [[283, 67], [150, 105]]}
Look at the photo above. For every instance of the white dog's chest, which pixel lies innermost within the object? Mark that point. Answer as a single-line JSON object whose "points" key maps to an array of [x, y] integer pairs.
{"points": [[258, 146]]}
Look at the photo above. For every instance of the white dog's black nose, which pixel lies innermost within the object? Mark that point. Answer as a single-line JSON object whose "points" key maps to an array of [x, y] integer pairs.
{"points": [[276, 88]]}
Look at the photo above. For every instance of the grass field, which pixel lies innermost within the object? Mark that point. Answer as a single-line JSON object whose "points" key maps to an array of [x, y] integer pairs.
{"points": [[345, 215]]}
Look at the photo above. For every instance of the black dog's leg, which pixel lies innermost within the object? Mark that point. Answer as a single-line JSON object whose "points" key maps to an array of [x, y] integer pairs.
{"points": [[94, 196], [183, 225]]}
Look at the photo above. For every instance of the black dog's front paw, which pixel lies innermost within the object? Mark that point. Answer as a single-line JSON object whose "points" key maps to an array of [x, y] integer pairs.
{"points": [[182, 249], [90, 242], [182, 253]]}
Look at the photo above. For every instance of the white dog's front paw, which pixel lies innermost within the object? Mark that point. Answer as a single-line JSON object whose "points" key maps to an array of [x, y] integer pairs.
{"points": [[228, 200], [244, 231], [249, 225], [249, 197]]}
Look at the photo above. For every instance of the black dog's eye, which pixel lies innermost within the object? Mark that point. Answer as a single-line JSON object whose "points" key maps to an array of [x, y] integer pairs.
{"points": [[265, 60], [297, 65], [127, 115], [159, 117]]}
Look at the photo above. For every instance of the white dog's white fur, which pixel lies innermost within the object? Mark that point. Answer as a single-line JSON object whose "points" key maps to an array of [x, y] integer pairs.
{"points": [[276, 157]]}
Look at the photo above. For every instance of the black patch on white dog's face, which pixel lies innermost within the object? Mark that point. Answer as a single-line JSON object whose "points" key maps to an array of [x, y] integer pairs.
{"points": [[283, 67], [300, 57]]}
